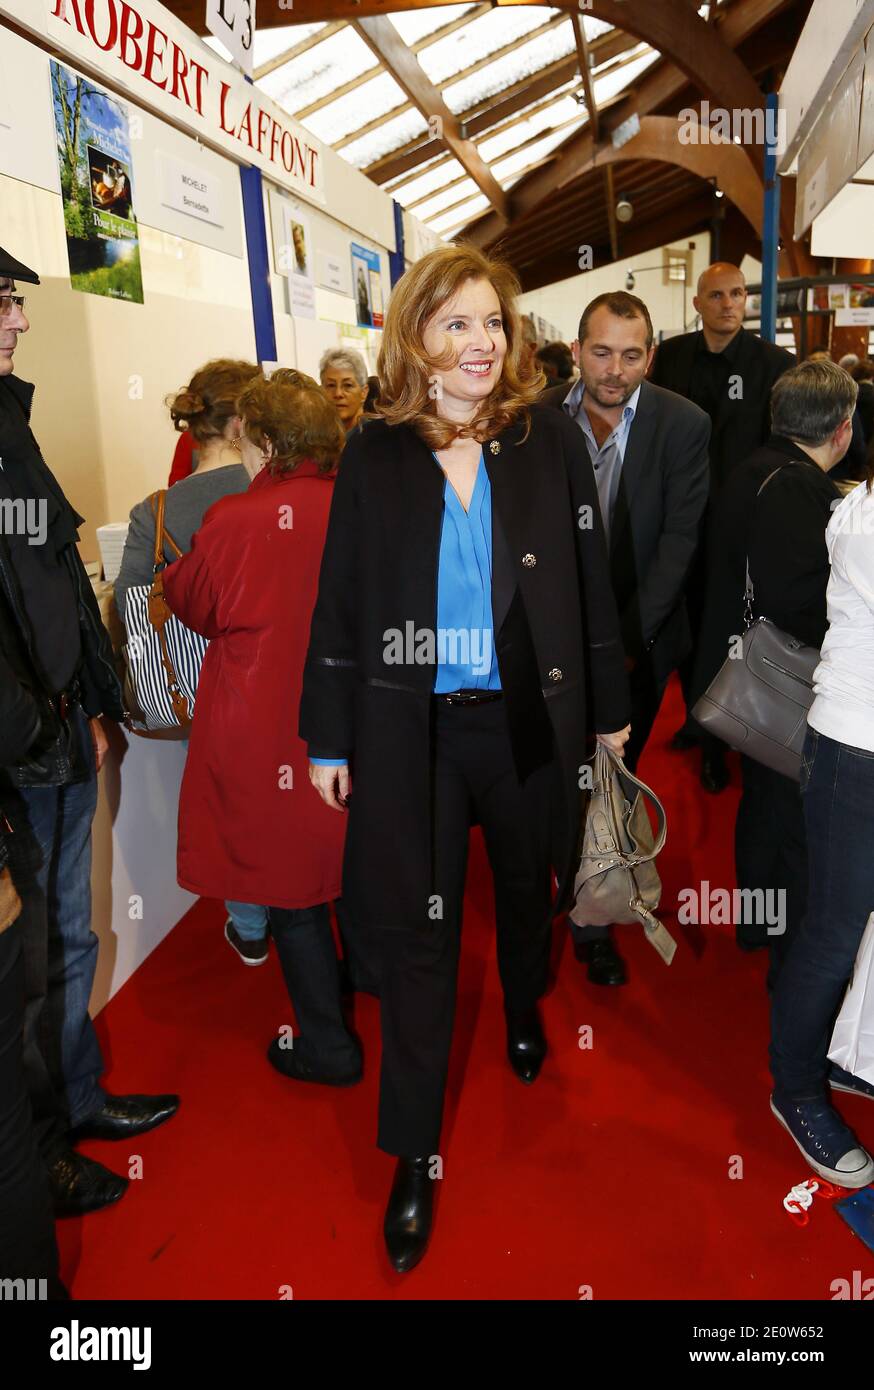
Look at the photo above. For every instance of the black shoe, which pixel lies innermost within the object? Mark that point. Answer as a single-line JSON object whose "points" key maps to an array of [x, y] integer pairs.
{"points": [[289, 1062], [250, 952], [79, 1184], [714, 773], [526, 1045], [685, 738], [606, 966], [123, 1117], [409, 1213]]}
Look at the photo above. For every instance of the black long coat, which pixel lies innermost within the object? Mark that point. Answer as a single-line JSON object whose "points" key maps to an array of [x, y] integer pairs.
{"points": [[556, 638]]}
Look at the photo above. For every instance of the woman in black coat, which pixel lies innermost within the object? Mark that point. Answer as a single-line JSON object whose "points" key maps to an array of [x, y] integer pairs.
{"points": [[463, 645]]}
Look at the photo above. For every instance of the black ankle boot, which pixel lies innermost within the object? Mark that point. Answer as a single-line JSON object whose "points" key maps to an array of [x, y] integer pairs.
{"points": [[526, 1045], [408, 1215]]}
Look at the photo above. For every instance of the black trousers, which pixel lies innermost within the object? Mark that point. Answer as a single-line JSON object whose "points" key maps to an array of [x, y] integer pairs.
{"points": [[646, 698], [770, 851], [27, 1228], [473, 769]]}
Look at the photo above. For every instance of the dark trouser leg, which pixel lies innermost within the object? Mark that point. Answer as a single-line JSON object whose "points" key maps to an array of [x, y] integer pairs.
{"points": [[771, 854], [838, 794], [60, 819], [646, 698], [27, 1229], [50, 1117], [359, 952], [516, 827], [305, 945], [419, 967]]}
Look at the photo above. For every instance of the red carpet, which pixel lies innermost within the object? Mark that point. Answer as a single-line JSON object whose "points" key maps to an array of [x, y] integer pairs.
{"points": [[611, 1172]]}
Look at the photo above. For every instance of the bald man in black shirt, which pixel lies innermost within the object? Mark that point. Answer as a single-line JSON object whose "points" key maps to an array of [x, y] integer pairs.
{"points": [[729, 373]]}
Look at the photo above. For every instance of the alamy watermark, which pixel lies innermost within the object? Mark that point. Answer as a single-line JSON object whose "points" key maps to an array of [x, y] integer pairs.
{"points": [[759, 907], [446, 646], [21, 516]]}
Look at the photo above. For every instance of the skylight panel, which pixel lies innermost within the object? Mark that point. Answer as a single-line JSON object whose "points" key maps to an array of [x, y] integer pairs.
{"points": [[445, 199], [459, 217], [482, 36], [391, 135], [357, 108], [316, 73], [620, 78], [543, 119], [523, 62], [428, 182], [413, 25], [269, 43], [522, 158]]}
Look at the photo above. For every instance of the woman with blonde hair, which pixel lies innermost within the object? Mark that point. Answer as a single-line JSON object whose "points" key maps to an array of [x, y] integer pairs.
{"points": [[247, 829], [464, 642]]}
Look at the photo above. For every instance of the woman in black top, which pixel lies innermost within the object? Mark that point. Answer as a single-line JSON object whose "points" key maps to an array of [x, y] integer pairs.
{"points": [[812, 407]]}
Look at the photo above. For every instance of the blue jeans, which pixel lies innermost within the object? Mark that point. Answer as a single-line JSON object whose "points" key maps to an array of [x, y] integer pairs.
{"points": [[50, 860], [249, 919], [837, 785]]}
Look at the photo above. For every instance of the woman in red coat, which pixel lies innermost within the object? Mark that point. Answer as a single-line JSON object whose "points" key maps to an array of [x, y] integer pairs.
{"points": [[249, 828]]}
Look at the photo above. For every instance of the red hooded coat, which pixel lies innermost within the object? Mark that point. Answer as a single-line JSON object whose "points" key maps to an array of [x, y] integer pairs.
{"points": [[251, 826]]}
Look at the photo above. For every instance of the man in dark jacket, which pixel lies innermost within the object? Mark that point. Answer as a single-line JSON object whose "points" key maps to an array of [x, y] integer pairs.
{"points": [[59, 659], [728, 372], [648, 449]]}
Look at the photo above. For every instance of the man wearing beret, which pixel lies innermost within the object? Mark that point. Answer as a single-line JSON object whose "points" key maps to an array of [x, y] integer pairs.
{"points": [[59, 681]]}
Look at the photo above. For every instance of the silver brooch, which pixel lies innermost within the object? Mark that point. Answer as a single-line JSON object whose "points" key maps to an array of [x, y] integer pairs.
{"points": [[495, 447]]}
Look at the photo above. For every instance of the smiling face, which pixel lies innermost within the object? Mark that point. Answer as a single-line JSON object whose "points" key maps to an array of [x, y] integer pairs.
{"points": [[614, 357], [341, 387], [11, 324], [721, 300], [470, 325]]}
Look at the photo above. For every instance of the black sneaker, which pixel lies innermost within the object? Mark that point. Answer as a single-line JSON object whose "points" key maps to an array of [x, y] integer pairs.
{"points": [[250, 952], [841, 1080], [829, 1146]]}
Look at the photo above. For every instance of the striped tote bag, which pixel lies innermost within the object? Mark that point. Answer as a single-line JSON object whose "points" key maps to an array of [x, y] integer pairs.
{"points": [[162, 657]]}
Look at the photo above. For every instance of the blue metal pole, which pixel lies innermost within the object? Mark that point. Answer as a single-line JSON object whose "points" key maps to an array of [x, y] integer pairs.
{"points": [[259, 264], [770, 224], [396, 258]]}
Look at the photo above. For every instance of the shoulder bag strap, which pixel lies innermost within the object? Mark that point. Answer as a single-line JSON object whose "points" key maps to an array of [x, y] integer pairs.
{"points": [[749, 595], [162, 535]]}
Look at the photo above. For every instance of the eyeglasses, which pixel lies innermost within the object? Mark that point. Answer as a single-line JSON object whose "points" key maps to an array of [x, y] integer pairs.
{"points": [[8, 300]]}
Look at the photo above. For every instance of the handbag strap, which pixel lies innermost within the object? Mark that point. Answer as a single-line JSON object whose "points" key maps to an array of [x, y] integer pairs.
{"points": [[162, 535], [749, 594], [606, 762]]}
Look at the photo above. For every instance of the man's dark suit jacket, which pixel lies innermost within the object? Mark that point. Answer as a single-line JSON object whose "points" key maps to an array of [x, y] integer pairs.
{"points": [[742, 425], [656, 523]]}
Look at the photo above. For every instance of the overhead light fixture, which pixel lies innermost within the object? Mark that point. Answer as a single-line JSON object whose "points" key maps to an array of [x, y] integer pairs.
{"points": [[624, 209], [630, 281], [719, 193]]}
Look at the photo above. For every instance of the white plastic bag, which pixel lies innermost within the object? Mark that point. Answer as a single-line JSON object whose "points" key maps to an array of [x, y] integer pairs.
{"points": [[852, 1044]]}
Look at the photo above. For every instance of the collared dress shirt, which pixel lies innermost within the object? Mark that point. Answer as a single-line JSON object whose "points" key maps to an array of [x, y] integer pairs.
{"points": [[607, 460]]}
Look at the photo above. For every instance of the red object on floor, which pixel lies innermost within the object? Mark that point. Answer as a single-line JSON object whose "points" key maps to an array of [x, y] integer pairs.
{"points": [[609, 1178]]}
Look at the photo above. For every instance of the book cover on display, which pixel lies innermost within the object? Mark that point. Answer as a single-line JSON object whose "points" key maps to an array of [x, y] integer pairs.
{"points": [[367, 286], [94, 158]]}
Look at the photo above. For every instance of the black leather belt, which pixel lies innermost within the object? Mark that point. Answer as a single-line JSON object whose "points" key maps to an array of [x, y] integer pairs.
{"points": [[470, 697]]}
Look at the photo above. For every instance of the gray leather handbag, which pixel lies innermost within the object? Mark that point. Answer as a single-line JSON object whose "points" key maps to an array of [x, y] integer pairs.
{"points": [[617, 880], [759, 700]]}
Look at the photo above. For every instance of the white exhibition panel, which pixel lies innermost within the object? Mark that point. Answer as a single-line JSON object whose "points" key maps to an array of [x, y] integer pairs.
{"points": [[136, 899], [218, 99], [844, 228], [832, 33]]}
